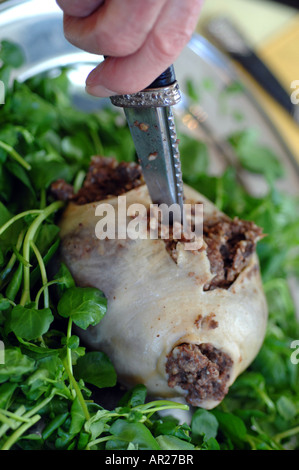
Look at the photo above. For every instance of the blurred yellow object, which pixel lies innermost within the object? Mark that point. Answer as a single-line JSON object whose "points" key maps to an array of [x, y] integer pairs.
{"points": [[281, 53], [272, 29]]}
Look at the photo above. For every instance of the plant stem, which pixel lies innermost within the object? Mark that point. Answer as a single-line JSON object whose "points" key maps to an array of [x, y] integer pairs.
{"points": [[18, 433], [48, 284], [43, 273], [13, 258], [78, 391], [68, 350], [40, 405], [5, 419], [99, 150], [79, 180], [284, 434], [17, 217], [27, 244], [15, 155], [43, 198], [101, 439], [14, 416]]}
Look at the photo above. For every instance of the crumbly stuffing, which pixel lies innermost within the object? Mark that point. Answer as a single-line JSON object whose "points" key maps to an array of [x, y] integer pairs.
{"points": [[200, 369], [105, 178], [230, 243]]}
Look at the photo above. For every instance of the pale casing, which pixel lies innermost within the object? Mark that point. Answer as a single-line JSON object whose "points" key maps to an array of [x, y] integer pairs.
{"points": [[154, 302]]}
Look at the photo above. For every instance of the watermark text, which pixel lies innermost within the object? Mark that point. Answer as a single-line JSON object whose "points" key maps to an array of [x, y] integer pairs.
{"points": [[139, 222], [2, 353], [295, 94], [2, 92], [295, 354]]}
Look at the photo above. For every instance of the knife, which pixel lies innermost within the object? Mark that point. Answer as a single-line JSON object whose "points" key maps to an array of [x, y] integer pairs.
{"points": [[230, 39], [151, 122]]}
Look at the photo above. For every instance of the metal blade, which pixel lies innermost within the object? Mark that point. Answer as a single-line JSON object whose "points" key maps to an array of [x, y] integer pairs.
{"points": [[154, 136], [151, 122]]}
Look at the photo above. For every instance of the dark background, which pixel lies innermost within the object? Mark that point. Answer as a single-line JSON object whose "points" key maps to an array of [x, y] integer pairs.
{"points": [[291, 3]]}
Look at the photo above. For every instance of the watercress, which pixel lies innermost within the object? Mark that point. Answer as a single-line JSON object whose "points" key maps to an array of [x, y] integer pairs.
{"points": [[49, 382]]}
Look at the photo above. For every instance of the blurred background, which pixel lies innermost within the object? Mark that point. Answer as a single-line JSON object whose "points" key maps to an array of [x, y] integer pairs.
{"points": [[271, 28]]}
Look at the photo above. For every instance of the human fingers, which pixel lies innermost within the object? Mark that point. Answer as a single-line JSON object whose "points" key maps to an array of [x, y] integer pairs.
{"points": [[80, 8], [163, 44], [118, 28]]}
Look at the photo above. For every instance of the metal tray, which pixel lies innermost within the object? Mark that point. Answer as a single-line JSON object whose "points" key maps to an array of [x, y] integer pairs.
{"points": [[37, 27]]}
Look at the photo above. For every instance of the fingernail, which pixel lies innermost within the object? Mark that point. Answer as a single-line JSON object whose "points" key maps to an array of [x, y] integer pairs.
{"points": [[100, 91]]}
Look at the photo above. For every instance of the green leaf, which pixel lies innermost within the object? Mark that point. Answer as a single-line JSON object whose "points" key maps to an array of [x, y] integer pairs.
{"points": [[46, 168], [35, 385], [29, 107], [170, 426], [11, 54], [77, 147], [194, 157], [95, 368], [211, 444], [235, 87], [6, 391], [204, 424], [5, 74], [77, 417], [85, 305], [73, 342], [4, 303], [255, 157], [9, 237], [21, 174], [192, 90], [286, 408], [30, 323], [173, 443], [137, 433], [47, 235], [272, 366], [16, 365], [35, 273], [66, 280], [134, 397], [232, 426], [96, 424]]}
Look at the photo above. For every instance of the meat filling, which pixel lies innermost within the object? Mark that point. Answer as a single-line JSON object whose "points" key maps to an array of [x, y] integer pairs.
{"points": [[230, 243], [105, 178], [202, 370]]}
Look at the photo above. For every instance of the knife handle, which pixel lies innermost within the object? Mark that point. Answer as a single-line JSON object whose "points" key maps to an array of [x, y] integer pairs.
{"points": [[166, 78]]}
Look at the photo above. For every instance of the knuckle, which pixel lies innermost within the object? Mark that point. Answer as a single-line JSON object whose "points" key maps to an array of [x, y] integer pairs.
{"points": [[114, 43], [169, 42], [68, 29]]}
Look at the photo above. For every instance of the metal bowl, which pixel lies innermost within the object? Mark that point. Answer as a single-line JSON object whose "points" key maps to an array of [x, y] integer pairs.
{"points": [[38, 28]]}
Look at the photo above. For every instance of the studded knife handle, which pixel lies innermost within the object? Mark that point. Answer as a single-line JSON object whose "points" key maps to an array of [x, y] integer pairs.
{"points": [[165, 79], [164, 91], [156, 141]]}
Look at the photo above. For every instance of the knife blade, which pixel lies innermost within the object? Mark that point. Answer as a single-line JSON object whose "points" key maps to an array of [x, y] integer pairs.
{"points": [[151, 122], [231, 40]]}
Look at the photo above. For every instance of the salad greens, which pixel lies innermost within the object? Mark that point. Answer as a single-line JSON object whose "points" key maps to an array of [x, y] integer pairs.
{"points": [[50, 384]]}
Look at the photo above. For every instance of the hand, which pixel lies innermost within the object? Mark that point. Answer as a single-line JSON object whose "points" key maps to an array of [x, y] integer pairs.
{"points": [[141, 37]]}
